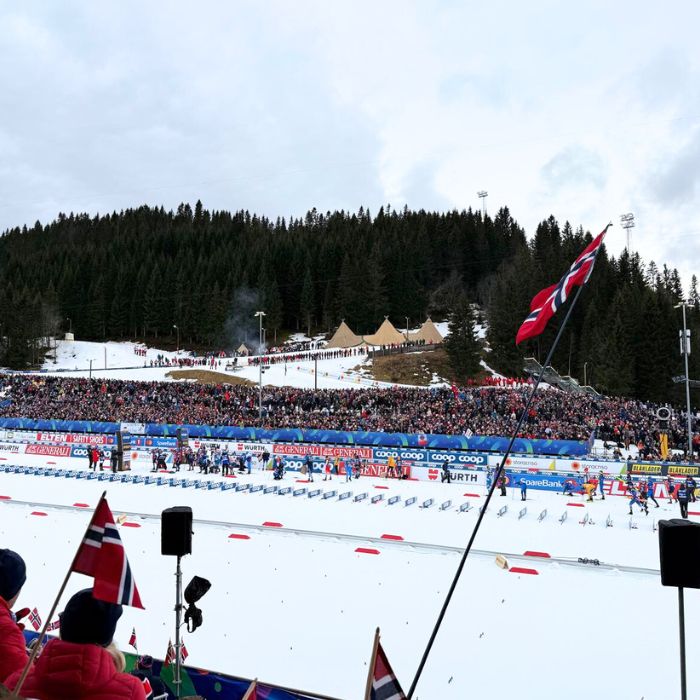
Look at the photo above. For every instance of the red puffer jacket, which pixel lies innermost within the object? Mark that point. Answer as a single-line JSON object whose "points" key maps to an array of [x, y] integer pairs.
{"points": [[67, 671], [13, 652]]}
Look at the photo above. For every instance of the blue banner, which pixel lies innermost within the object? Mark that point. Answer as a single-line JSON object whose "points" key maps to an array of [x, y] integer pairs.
{"points": [[334, 437]]}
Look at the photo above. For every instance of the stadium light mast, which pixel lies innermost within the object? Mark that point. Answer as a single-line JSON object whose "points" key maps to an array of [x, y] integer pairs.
{"points": [[260, 315], [483, 194], [684, 337], [627, 222]]}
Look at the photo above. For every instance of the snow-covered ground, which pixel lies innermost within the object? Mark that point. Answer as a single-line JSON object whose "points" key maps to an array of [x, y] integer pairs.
{"points": [[297, 604], [114, 360]]}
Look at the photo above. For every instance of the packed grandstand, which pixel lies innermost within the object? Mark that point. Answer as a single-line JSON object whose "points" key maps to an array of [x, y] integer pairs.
{"points": [[471, 410]]}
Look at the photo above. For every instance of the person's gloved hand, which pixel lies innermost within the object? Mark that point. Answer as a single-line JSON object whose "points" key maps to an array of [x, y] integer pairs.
{"points": [[20, 615]]}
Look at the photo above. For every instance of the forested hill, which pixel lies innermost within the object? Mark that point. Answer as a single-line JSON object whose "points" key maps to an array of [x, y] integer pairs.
{"points": [[140, 272]]}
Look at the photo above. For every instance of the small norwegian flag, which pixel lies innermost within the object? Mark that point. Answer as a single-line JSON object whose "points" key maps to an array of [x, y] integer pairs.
{"points": [[382, 683], [102, 556], [132, 639], [147, 689], [169, 655], [53, 625], [35, 620], [183, 653]]}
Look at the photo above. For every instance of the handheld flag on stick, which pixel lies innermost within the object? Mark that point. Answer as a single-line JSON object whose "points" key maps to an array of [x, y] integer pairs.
{"points": [[169, 654], [102, 556], [546, 303], [252, 693], [132, 639], [381, 681], [35, 619]]}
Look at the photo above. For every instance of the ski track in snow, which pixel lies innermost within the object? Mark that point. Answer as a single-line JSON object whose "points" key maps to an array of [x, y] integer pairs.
{"points": [[300, 610]]}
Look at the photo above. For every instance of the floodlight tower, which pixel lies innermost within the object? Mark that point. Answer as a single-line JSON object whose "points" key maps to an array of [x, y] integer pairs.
{"points": [[483, 194], [627, 222], [684, 337]]}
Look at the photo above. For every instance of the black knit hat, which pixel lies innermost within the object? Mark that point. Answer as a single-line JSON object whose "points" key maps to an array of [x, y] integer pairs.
{"points": [[86, 620], [13, 573]]}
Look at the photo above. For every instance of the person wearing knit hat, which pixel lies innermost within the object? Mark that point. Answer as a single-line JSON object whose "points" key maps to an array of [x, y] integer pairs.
{"points": [[13, 651], [78, 665]]}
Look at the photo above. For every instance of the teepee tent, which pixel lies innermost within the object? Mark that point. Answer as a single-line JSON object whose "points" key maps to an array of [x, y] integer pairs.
{"points": [[344, 338], [428, 333], [386, 335], [243, 350]]}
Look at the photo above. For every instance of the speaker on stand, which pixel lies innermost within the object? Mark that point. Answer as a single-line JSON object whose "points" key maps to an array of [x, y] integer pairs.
{"points": [[679, 556], [176, 541]]}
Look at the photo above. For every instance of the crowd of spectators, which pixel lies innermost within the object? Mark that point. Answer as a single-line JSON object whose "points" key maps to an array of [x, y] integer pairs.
{"points": [[276, 359], [485, 410]]}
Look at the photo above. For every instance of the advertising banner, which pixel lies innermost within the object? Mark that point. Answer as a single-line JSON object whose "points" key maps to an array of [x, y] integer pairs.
{"points": [[48, 450], [76, 438], [460, 475], [323, 451], [12, 448]]}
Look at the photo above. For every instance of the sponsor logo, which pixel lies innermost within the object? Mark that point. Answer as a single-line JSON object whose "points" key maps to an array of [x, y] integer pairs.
{"points": [[403, 454], [48, 450], [686, 471], [10, 448], [455, 458], [76, 438], [433, 474], [323, 451]]}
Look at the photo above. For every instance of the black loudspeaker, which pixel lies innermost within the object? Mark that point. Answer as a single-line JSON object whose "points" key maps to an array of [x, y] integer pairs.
{"points": [[679, 553], [176, 531]]}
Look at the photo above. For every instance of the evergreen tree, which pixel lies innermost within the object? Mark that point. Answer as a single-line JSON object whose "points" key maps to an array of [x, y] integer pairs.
{"points": [[461, 344]]}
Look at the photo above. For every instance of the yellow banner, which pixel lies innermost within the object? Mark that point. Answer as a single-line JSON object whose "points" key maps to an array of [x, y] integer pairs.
{"points": [[664, 446]]}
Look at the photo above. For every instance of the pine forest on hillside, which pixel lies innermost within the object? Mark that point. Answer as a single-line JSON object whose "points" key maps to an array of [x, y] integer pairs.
{"points": [[138, 273]]}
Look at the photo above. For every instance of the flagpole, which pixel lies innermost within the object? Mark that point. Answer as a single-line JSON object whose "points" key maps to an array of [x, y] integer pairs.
{"points": [[42, 634], [482, 511], [251, 689], [372, 661]]}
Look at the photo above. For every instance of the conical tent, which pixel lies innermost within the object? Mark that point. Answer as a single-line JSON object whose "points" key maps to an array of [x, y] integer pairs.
{"points": [[386, 335], [428, 333], [344, 338], [243, 350]]}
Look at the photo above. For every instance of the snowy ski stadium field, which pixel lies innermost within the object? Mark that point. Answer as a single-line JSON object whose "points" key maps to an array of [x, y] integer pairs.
{"points": [[296, 603]]}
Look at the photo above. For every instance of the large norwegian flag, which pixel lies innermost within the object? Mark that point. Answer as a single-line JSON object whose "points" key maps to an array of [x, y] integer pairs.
{"points": [[102, 556], [384, 683], [545, 304]]}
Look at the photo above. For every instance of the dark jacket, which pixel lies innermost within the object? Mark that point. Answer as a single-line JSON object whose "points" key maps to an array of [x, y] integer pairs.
{"points": [[66, 671]]}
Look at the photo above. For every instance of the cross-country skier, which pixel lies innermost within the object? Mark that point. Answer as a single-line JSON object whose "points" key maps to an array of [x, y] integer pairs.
{"points": [[634, 495], [309, 467], [601, 484], [523, 490], [327, 474], [670, 487], [650, 491]]}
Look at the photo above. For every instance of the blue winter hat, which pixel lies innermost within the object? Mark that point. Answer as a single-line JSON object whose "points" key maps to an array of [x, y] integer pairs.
{"points": [[13, 573], [86, 620]]}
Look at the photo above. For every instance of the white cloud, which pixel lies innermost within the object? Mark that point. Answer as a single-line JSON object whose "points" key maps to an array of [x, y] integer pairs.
{"points": [[584, 112]]}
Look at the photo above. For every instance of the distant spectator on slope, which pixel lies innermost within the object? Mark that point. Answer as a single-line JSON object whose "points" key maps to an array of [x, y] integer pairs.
{"points": [[13, 652], [79, 665]]}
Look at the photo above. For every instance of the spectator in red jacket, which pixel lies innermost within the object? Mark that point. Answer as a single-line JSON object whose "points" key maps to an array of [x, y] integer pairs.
{"points": [[78, 665], [13, 652]]}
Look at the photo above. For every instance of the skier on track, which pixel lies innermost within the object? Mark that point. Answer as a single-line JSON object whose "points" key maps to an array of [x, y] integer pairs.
{"points": [[634, 495], [601, 484]]}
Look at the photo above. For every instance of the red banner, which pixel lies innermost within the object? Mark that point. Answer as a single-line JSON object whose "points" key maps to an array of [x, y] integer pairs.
{"points": [[48, 450], [323, 451], [76, 438]]}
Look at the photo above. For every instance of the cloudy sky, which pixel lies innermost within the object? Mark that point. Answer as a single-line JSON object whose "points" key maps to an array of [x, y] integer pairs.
{"points": [[585, 111]]}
